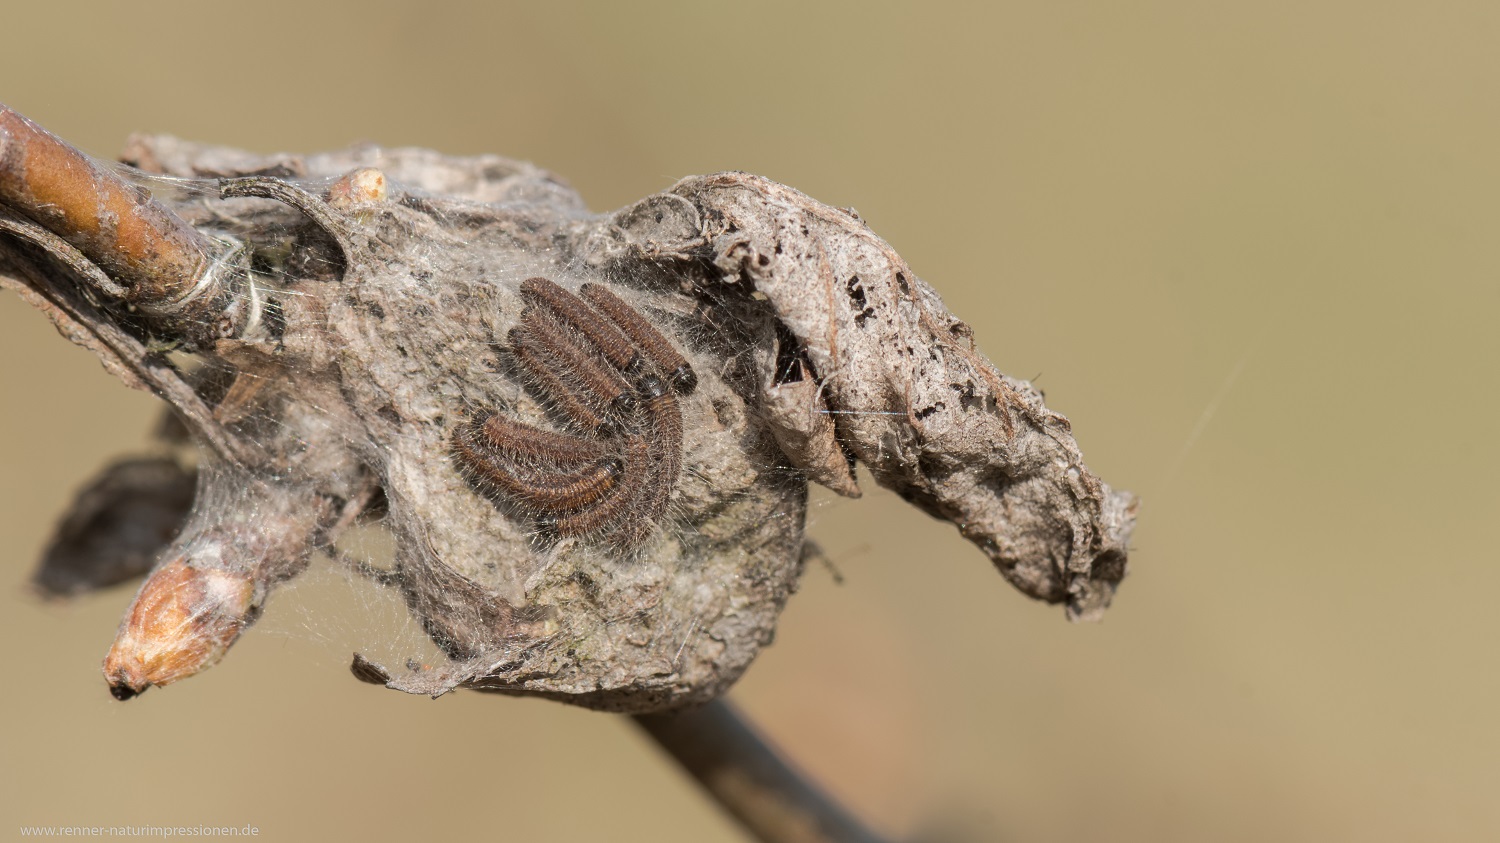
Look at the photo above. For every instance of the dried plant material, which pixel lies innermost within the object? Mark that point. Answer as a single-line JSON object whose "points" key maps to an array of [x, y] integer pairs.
{"points": [[592, 435], [212, 582], [803, 426], [914, 401], [117, 526]]}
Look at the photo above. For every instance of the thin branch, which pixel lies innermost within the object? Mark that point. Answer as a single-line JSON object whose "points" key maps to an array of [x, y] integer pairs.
{"points": [[263, 187], [125, 352], [116, 225], [746, 777]]}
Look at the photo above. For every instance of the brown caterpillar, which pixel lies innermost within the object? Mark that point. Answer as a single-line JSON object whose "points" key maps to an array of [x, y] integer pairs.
{"points": [[664, 453], [528, 352], [549, 493], [597, 382], [646, 337], [619, 508], [608, 339], [616, 479], [524, 443]]}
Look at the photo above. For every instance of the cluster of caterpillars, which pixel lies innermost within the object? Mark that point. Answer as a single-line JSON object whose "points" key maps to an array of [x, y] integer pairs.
{"points": [[614, 379]]}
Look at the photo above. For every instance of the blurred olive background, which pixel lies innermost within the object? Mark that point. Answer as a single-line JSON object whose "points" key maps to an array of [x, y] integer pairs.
{"points": [[1249, 249]]}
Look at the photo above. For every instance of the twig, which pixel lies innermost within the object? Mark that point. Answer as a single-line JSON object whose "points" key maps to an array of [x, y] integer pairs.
{"points": [[746, 777], [130, 236], [116, 346]]}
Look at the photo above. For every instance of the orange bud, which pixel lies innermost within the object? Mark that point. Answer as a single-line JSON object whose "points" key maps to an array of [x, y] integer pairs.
{"points": [[183, 621], [358, 187]]}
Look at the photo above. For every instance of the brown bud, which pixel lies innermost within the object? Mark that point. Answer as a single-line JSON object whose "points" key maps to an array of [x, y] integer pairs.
{"points": [[183, 621], [358, 187]]}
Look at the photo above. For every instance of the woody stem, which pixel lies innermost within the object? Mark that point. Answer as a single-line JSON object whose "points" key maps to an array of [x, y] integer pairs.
{"points": [[746, 777]]}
